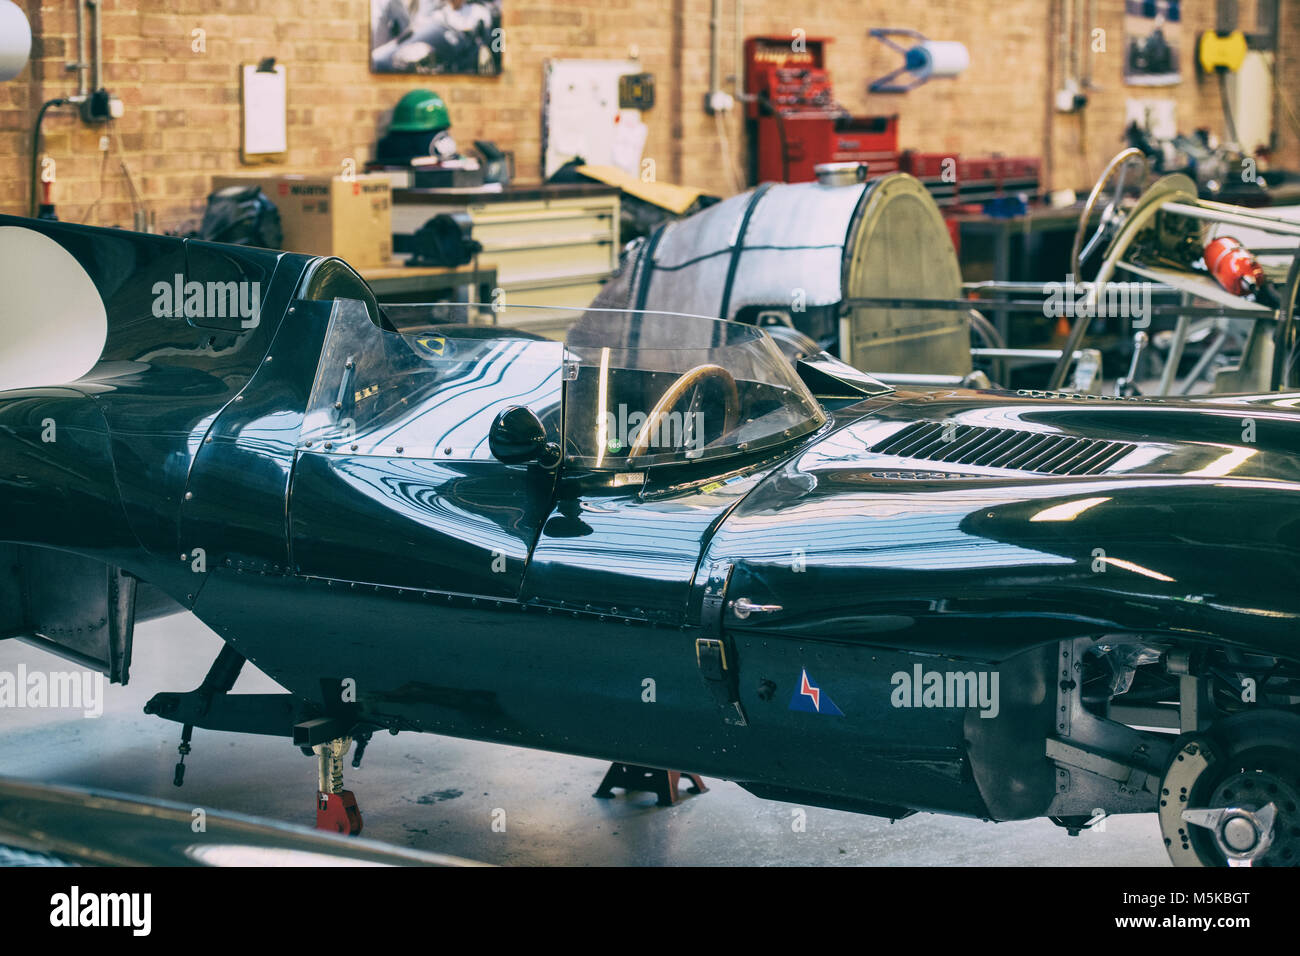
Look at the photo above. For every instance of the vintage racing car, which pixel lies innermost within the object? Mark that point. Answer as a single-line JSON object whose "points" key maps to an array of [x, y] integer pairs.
{"points": [[657, 542]]}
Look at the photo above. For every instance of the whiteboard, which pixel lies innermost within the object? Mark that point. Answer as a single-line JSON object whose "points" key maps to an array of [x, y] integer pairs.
{"points": [[581, 117]]}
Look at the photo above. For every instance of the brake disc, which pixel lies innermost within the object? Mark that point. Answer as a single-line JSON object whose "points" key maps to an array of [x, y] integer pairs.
{"points": [[1217, 807], [1188, 766]]}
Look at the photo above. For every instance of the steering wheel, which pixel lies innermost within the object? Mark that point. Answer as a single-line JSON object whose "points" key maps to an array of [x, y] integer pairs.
{"points": [[1111, 215], [675, 393]]}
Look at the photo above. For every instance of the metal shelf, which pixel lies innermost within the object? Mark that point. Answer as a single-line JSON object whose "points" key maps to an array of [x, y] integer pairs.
{"points": [[1193, 284]]}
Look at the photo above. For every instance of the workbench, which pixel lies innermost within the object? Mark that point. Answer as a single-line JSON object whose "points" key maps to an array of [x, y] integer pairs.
{"points": [[553, 244]]}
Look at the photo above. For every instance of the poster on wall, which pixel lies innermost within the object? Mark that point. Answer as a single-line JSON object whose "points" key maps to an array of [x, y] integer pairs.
{"points": [[436, 36], [1152, 42]]}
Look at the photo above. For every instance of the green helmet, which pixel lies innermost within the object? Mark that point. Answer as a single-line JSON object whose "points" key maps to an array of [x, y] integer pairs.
{"points": [[420, 111]]}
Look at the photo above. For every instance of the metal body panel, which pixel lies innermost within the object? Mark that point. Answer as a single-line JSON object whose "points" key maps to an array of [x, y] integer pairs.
{"points": [[794, 253], [45, 825], [465, 527], [962, 560], [900, 244]]}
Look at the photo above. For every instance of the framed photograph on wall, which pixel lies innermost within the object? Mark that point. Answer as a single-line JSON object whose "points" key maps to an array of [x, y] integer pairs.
{"points": [[1152, 42], [436, 36]]}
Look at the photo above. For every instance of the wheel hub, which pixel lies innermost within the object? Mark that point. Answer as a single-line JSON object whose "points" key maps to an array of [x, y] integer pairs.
{"points": [[1245, 832], [1262, 812], [1242, 835], [1249, 816]]}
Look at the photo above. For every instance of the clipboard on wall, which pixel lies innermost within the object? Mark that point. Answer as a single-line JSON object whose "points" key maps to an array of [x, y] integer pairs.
{"points": [[263, 95]]}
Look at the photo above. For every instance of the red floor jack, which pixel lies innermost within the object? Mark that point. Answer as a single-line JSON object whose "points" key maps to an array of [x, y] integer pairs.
{"points": [[634, 779], [336, 808]]}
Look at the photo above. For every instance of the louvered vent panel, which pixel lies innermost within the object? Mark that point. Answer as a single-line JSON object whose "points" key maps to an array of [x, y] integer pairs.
{"points": [[1039, 452]]}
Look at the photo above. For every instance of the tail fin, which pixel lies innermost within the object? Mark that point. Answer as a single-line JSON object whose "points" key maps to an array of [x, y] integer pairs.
{"points": [[73, 297], [53, 323]]}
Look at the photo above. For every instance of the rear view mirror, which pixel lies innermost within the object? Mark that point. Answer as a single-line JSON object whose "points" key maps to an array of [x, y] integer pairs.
{"points": [[518, 436]]}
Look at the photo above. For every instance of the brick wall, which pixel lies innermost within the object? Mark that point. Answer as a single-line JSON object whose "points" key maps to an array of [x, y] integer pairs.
{"points": [[182, 107]]}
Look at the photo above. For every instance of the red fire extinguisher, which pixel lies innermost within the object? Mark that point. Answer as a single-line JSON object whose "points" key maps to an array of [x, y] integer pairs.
{"points": [[1236, 269]]}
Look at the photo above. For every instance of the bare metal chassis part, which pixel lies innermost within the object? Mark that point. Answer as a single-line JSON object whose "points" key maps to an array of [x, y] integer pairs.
{"points": [[1100, 764], [1261, 367]]}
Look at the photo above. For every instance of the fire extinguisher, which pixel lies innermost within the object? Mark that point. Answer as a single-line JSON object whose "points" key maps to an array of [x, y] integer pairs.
{"points": [[1236, 269]]}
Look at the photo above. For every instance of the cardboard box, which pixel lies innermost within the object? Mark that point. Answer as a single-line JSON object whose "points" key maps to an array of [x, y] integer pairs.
{"points": [[330, 216]]}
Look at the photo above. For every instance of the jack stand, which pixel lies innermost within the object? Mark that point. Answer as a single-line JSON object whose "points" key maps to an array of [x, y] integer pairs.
{"points": [[634, 779], [336, 808]]}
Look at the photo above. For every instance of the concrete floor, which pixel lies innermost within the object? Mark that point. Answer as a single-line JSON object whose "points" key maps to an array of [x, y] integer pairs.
{"points": [[441, 794]]}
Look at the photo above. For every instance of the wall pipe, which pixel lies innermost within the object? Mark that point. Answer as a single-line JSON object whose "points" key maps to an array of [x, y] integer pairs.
{"points": [[97, 74], [80, 65], [715, 49]]}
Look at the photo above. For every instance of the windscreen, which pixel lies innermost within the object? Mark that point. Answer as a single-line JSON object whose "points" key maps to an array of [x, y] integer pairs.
{"points": [[432, 393], [647, 388]]}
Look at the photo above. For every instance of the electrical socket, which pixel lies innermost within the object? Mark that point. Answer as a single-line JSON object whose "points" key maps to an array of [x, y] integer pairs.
{"points": [[719, 101], [101, 106], [1070, 98], [1070, 101]]}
